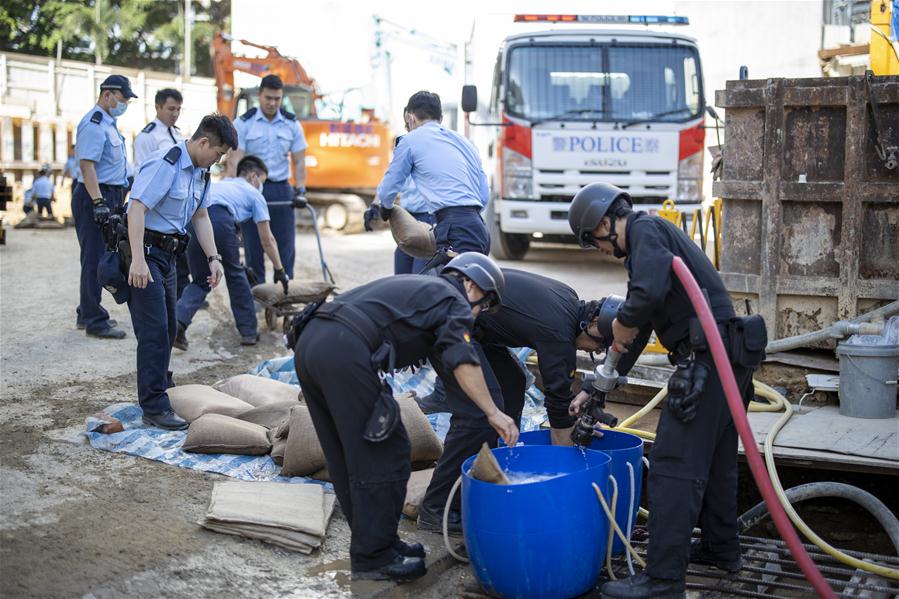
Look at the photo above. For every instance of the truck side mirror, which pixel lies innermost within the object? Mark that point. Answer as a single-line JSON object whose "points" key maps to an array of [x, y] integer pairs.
{"points": [[469, 98]]}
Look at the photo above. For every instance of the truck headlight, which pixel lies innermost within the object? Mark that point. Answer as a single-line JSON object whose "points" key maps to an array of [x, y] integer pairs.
{"points": [[518, 176]]}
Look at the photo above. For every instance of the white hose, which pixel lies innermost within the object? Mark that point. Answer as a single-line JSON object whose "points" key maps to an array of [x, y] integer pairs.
{"points": [[630, 516], [446, 511]]}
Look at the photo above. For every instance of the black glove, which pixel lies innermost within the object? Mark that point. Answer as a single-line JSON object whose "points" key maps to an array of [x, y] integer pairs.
{"points": [[251, 276], [281, 277], [370, 214], [101, 212], [299, 197], [684, 388], [385, 213]]}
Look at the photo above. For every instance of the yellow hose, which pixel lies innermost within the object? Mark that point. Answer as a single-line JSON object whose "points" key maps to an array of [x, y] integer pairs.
{"points": [[776, 403], [611, 517], [611, 528], [768, 393]]}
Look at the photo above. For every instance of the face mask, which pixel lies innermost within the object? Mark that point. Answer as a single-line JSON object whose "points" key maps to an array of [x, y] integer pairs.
{"points": [[118, 110]]}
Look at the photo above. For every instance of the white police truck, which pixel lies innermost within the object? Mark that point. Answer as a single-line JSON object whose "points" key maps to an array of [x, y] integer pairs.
{"points": [[593, 103]]}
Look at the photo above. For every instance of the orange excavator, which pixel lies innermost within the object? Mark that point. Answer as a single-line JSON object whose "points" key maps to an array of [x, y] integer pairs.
{"points": [[345, 160]]}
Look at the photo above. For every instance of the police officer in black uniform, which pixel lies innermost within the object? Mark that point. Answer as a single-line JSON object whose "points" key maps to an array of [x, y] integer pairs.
{"points": [[536, 312], [693, 479], [343, 349], [547, 316]]}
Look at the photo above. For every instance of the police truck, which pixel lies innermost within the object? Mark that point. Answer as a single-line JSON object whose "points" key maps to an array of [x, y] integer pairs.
{"points": [[596, 102]]}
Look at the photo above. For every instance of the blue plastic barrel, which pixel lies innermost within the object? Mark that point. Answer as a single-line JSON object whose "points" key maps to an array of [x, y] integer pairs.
{"points": [[624, 449], [539, 539]]}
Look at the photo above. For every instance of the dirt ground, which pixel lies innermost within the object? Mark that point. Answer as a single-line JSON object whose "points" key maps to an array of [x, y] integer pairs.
{"points": [[78, 522]]}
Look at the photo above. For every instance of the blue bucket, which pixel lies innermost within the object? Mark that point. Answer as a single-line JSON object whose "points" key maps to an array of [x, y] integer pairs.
{"points": [[624, 449], [540, 539]]}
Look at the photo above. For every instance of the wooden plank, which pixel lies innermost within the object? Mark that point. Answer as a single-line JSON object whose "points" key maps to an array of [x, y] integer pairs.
{"points": [[847, 50]]}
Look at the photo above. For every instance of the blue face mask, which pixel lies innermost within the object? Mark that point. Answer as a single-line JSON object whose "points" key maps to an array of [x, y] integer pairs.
{"points": [[118, 110]]}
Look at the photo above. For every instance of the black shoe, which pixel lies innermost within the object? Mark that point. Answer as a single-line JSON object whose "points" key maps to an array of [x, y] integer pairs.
{"points": [[698, 555], [401, 569], [409, 549], [250, 339], [107, 333], [79, 324], [432, 403], [643, 586], [431, 522], [181, 337], [167, 420]]}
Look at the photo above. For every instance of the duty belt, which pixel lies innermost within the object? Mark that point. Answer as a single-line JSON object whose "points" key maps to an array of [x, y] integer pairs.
{"points": [[355, 319], [686, 346], [173, 243]]}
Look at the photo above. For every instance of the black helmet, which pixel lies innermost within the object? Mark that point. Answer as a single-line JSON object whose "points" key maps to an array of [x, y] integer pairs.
{"points": [[588, 207], [483, 272]]}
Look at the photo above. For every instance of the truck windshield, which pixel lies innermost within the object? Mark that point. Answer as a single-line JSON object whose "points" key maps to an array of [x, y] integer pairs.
{"points": [[604, 82]]}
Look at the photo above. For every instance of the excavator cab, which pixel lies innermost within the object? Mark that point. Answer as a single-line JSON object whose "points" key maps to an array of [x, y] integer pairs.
{"points": [[297, 99]]}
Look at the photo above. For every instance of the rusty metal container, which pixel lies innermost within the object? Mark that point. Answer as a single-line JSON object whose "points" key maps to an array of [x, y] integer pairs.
{"points": [[810, 223]]}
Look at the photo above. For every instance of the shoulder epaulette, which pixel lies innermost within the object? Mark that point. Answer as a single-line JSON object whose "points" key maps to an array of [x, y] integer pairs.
{"points": [[150, 126], [248, 114], [288, 115], [173, 155], [97, 117]]}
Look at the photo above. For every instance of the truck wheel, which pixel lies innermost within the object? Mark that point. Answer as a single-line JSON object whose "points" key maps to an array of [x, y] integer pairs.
{"points": [[509, 246], [505, 246], [336, 216]]}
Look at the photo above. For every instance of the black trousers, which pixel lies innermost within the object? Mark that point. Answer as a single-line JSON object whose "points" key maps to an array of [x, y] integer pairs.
{"points": [[693, 480], [341, 388], [469, 428]]}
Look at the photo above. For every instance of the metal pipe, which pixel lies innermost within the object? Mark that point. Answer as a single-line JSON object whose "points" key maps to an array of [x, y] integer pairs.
{"points": [[838, 330]]}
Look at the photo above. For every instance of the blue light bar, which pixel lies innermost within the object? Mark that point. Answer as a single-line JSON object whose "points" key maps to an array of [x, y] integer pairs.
{"points": [[604, 19]]}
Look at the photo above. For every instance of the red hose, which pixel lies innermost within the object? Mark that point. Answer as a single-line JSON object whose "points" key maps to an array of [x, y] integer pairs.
{"points": [[738, 411]]}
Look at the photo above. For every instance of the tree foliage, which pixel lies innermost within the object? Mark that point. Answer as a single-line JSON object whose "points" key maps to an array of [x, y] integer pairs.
{"points": [[147, 34]]}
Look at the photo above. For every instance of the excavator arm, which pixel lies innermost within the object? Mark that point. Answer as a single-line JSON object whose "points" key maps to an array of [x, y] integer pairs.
{"points": [[226, 63]]}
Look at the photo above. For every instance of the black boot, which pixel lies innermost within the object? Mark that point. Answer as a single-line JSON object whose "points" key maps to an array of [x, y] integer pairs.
{"points": [[698, 555], [644, 586], [401, 569], [431, 522], [181, 337], [409, 549]]}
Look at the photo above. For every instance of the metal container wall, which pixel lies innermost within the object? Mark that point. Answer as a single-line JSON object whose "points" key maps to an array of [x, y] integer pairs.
{"points": [[810, 230]]}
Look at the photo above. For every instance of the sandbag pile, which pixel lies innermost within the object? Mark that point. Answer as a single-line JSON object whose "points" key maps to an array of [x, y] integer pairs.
{"points": [[251, 415], [303, 455], [294, 517]]}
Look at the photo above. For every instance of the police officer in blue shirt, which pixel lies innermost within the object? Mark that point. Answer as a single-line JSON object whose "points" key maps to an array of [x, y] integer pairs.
{"points": [[42, 191], [71, 168], [446, 170], [272, 133], [231, 201], [416, 205], [100, 150], [169, 192]]}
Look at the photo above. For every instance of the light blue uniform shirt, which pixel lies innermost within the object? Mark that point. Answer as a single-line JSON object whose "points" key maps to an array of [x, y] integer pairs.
{"points": [[271, 141], [73, 168], [171, 192], [99, 140], [444, 166], [241, 199], [411, 199], [42, 188]]}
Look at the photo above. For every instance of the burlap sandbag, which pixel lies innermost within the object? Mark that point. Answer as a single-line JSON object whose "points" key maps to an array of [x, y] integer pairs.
{"points": [[270, 415], [192, 401], [487, 469], [415, 491], [412, 236], [279, 446], [258, 390], [426, 445], [272, 294], [303, 455], [214, 433]]}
